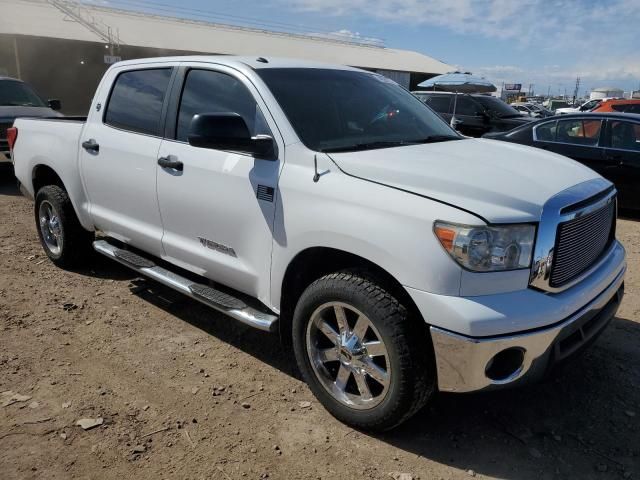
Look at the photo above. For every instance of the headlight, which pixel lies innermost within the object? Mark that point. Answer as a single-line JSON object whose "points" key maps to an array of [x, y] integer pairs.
{"points": [[488, 249]]}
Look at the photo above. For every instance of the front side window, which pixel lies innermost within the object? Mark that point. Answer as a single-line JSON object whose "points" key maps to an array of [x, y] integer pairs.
{"points": [[206, 91], [546, 132], [579, 132], [464, 105], [136, 100], [625, 135], [18, 94], [346, 110]]}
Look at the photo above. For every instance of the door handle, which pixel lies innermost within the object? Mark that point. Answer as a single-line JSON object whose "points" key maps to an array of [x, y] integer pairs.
{"points": [[91, 146], [171, 161], [616, 158]]}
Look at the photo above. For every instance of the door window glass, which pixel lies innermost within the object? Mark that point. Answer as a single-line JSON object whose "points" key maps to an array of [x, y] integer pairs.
{"points": [[579, 132], [206, 91], [466, 106], [625, 135], [546, 132], [136, 100], [439, 103]]}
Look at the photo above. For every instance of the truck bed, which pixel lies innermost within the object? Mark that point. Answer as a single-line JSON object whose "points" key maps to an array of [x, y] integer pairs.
{"points": [[52, 143]]}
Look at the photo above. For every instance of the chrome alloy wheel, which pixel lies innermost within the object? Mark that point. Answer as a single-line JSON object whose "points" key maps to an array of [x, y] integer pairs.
{"points": [[348, 355], [50, 227]]}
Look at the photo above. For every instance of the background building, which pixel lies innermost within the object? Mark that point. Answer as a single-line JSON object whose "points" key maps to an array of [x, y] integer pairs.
{"points": [[63, 47], [606, 92]]}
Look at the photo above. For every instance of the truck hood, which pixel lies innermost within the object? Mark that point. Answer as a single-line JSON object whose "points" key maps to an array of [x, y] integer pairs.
{"points": [[501, 182]]}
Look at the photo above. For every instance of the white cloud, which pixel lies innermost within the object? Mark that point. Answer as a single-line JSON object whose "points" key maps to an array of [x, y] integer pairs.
{"points": [[548, 21], [599, 40], [348, 35]]}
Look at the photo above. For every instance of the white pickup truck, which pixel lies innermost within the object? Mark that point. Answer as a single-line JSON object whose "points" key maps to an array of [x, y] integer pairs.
{"points": [[327, 203]]}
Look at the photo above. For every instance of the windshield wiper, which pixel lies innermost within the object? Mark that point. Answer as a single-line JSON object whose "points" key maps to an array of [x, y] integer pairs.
{"points": [[366, 146], [437, 138], [389, 144]]}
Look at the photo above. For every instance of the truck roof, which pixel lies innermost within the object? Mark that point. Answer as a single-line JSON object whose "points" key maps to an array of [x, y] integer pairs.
{"points": [[255, 62]]}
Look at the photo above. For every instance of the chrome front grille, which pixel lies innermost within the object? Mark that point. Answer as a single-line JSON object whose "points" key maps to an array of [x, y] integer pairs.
{"points": [[576, 230], [580, 242]]}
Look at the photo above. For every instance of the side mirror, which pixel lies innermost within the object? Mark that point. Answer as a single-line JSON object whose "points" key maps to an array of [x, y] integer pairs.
{"points": [[54, 104], [228, 131]]}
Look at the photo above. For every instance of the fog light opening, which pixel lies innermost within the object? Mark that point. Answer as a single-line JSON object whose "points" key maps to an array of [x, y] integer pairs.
{"points": [[505, 364]]}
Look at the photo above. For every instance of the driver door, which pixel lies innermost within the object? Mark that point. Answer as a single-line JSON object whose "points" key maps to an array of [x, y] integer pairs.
{"points": [[218, 208]]}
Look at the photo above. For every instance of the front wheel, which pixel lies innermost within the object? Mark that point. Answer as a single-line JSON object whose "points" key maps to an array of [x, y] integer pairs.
{"points": [[363, 357]]}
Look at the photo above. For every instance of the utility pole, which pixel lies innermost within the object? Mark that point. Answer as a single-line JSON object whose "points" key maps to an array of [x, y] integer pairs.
{"points": [[577, 89]]}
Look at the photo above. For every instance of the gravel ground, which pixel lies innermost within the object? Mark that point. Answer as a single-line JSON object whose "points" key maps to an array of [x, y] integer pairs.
{"points": [[186, 393]]}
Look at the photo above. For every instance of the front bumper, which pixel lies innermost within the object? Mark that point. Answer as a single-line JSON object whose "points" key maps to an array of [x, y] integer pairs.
{"points": [[466, 364]]}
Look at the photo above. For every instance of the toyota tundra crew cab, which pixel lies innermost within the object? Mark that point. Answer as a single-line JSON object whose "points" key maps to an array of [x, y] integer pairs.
{"points": [[327, 203]]}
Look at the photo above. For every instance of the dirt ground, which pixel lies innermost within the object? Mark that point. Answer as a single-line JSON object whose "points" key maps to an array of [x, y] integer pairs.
{"points": [[184, 392]]}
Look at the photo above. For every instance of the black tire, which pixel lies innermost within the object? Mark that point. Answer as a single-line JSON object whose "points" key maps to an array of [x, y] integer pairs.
{"points": [[412, 378], [75, 241]]}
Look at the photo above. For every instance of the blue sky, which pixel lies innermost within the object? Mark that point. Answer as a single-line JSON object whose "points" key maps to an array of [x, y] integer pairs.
{"points": [[544, 42]]}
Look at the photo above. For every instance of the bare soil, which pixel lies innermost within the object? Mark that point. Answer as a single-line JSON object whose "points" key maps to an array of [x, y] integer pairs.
{"points": [[184, 392]]}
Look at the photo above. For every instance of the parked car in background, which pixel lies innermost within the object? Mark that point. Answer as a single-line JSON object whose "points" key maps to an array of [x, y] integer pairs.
{"points": [[619, 105], [532, 109], [585, 107], [609, 143], [554, 104], [475, 114], [398, 257], [18, 99]]}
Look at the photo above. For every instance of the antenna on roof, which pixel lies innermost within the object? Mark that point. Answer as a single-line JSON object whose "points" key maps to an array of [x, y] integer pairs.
{"points": [[262, 60]]}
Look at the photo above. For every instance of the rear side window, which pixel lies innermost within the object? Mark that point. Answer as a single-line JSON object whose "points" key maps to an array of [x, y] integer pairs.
{"points": [[579, 132], [439, 103], [206, 91], [136, 100], [633, 108]]}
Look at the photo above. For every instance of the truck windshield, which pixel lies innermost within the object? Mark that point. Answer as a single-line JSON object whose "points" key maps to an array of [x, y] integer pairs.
{"points": [[346, 110], [496, 106], [18, 94]]}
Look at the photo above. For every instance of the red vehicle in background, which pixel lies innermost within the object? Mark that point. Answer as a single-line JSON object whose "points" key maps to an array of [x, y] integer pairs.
{"points": [[618, 105]]}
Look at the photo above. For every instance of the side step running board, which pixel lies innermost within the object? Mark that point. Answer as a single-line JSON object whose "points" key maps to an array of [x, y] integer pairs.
{"points": [[221, 301]]}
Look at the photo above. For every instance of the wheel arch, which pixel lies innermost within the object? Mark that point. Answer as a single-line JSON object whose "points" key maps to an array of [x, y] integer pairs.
{"points": [[315, 262], [43, 175]]}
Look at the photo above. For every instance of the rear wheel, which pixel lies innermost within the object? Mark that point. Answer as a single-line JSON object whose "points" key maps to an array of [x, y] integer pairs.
{"points": [[63, 239], [366, 361]]}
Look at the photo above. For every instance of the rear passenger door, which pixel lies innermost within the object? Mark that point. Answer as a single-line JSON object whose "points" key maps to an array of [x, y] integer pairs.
{"points": [[579, 138], [623, 152], [218, 211], [119, 152]]}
